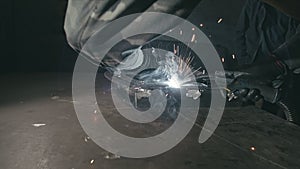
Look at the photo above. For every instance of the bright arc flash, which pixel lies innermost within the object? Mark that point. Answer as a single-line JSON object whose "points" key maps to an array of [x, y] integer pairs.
{"points": [[173, 82]]}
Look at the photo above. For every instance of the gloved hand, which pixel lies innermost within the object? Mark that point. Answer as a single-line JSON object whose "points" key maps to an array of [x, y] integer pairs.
{"points": [[246, 95]]}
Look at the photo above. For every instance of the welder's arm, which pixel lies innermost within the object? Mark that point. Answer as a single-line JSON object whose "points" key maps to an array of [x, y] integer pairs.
{"points": [[290, 7], [85, 17]]}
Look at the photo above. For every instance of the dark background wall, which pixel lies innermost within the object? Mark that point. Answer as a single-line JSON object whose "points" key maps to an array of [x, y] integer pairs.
{"points": [[32, 36]]}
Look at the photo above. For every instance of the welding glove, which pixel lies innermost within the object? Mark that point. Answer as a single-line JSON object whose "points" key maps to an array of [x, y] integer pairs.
{"points": [[246, 95]]}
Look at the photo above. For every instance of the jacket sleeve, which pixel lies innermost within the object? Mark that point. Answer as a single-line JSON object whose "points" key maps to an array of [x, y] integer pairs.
{"points": [[240, 39], [290, 7], [76, 19], [85, 17]]}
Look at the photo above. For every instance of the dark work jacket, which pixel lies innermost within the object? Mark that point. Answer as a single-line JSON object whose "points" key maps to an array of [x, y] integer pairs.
{"points": [[261, 29]]}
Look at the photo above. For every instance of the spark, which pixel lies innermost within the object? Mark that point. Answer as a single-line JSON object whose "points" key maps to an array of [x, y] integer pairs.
{"points": [[193, 38], [220, 20], [223, 60], [233, 56], [252, 148], [38, 125], [92, 161], [183, 72], [184, 63], [201, 25], [177, 70], [193, 29], [86, 139]]}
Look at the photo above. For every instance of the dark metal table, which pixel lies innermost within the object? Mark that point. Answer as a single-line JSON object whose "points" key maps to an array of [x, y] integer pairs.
{"points": [[39, 130]]}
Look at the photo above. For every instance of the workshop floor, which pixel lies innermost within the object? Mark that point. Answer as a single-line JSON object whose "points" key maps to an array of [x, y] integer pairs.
{"points": [[39, 130]]}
